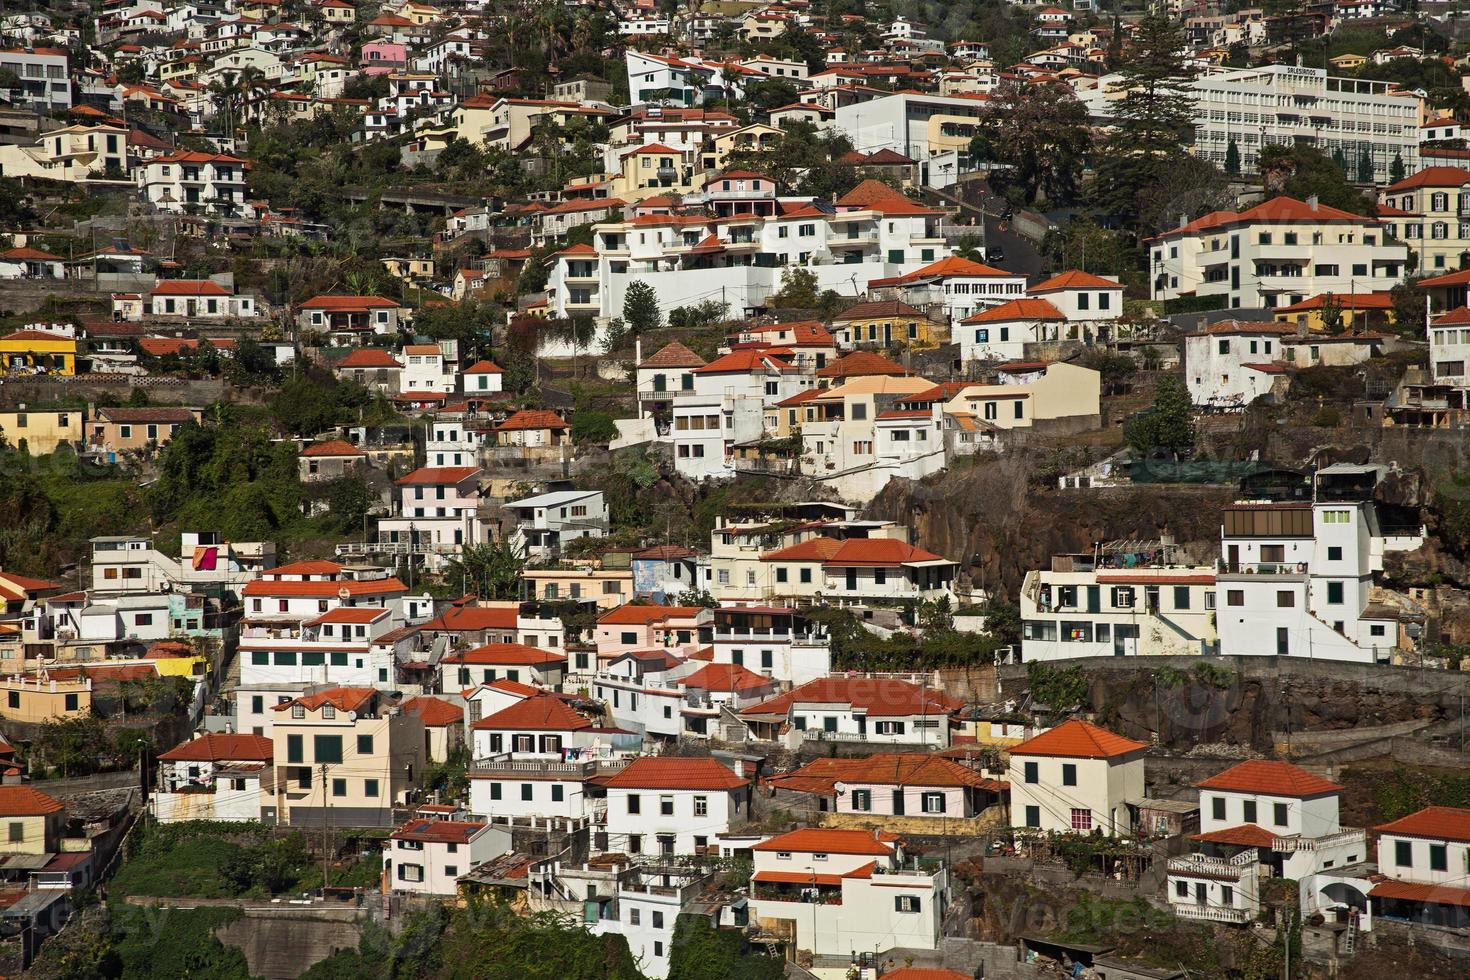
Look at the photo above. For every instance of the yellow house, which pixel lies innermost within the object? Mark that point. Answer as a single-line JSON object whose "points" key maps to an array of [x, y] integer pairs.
{"points": [[38, 352], [887, 323], [1357, 311], [338, 12], [757, 137], [409, 268], [42, 431], [34, 822], [28, 698], [1348, 62], [651, 170], [420, 13]]}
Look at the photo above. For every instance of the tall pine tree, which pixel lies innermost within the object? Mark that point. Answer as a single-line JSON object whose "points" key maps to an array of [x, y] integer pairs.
{"points": [[1154, 117]]}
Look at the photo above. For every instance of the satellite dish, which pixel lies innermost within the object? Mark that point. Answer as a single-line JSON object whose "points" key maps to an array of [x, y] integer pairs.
{"points": [[343, 594], [840, 787], [352, 716]]}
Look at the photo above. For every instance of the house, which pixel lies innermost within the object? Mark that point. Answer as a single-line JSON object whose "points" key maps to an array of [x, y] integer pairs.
{"points": [[469, 622], [344, 754], [41, 432], [1422, 860], [443, 726], [1076, 778], [666, 372], [191, 182], [885, 324], [348, 319], [547, 522], [1229, 364], [1423, 211], [676, 629], [1127, 599], [869, 791], [775, 641], [71, 154], [216, 776], [35, 822], [331, 459], [673, 805], [663, 572], [23, 262], [427, 856], [197, 299], [481, 378], [834, 891], [437, 510], [532, 428], [1275, 254], [508, 661], [120, 430], [31, 351], [541, 725], [372, 367], [857, 709], [426, 369]]}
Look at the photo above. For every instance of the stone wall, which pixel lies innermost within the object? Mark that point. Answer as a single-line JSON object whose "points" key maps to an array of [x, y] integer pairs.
{"points": [[283, 943]]}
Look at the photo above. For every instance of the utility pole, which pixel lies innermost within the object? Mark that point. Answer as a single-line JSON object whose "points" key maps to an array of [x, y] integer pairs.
{"points": [[326, 824]]}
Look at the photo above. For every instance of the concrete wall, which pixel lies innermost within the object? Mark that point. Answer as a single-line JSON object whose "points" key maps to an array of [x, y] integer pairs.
{"points": [[282, 943]]}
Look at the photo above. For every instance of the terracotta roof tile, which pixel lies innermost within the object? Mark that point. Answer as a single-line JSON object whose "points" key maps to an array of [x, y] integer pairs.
{"points": [[434, 712], [543, 713], [1435, 822], [1077, 739], [23, 801], [881, 697], [861, 364], [221, 747], [812, 840], [1269, 777], [533, 418], [673, 354], [698, 772], [515, 654]]}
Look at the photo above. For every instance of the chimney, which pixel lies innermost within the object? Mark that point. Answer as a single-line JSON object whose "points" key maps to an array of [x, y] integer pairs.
{"points": [[1183, 219], [1312, 202]]}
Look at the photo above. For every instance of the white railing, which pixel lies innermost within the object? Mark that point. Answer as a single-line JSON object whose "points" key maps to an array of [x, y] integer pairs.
{"points": [[1342, 837], [1213, 913]]}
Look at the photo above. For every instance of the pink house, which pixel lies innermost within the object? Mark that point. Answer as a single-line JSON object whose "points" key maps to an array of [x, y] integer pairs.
{"points": [[671, 628], [382, 57]]}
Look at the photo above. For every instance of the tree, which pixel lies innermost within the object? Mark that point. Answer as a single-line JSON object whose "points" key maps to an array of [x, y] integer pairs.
{"points": [[1165, 426], [1155, 116], [1396, 169], [702, 952], [490, 571], [1038, 135], [1232, 159], [1332, 317], [640, 308], [1114, 369], [1303, 172], [1408, 309], [1365, 167], [799, 290]]}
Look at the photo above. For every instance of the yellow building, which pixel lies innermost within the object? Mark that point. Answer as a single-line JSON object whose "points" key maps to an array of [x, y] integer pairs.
{"points": [[651, 170], [757, 137], [34, 822], [41, 431], [885, 324], [1357, 311], [38, 352], [29, 698]]}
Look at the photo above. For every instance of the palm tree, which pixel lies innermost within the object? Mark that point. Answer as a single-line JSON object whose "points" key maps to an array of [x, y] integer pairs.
{"points": [[490, 571]]}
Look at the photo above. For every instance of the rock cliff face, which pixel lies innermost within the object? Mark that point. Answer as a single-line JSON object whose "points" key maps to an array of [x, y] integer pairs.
{"points": [[997, 526]]}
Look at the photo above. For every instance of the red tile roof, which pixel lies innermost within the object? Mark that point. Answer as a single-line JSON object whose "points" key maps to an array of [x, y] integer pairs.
{"points": [[1459, 316], [25, 252], [925, 973], [1431, 177], [673, 772], [438, 831], [863, 364], [642, 615], [673, 355], [1269, 777], [353, 587], [341, 698], [1076, 739], [348, 304], [434, 712], [1434, 822], [533, 418], [727, 677], [1408, 891], [1347, 301], [332, 447], [745, 362], [1246, 835], [513, 654], [23, 801], [189, 287], [884, 769], [880, 697], [483, 367], [820, 548], [369, 357], [882, 308], [307, 566], [1016, 309], [472, 618], [813, 840], [866, 552], [436, 475], [221, 747], [543, 713], [955, 266], [1074, 279]]}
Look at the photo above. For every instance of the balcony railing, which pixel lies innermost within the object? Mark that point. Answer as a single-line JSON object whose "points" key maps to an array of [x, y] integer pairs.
{"points": [[1213, 913], [1261, 568]]}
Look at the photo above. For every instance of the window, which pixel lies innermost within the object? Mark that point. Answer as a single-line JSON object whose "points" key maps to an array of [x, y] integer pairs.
{"points": [[1278, 814], [1033, 816], [635, 805], [862, 800], [658, 920], [364, 745], [666, 806], [1248, 811], [1334, 593], [528, 791], [932, 803], [701, 806], [635, 916], [370, 788], [326, 748], [1081, 818], [17, 831], [1235, 597], [906, 903], [1181, 889], [494, 791], [1031, 772], [558, 792], [1285, 599], [1069, 774], [1217, 808], [293, 748], [339, 787], [1334, 553], [410, 872], [1403, 853], [1439, 857]]}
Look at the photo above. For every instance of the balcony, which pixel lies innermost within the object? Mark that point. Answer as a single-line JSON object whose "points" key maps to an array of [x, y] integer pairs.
{"points": [[1214, 913], [1276, 569], [545, 768]]}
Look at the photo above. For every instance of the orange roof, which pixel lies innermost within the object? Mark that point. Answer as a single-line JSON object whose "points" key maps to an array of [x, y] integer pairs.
{"points": [[353, 587], [341, 698], [1459, 316], [886, 698], [954, 265], [744, 362], [673, 354], [881, 308], [506, 653], [543, 713], [1246, 835], [638, 615], [860, 364], [1408, 891], [1074, 279], [673, 772], [348, 304], [879, 551], [434, 712], [1431, 177], [1434, 822], [1460, 278], [796, 878], [483, 367], [307, 566], [438, 831], [1017, 309], [813, 840], [221, 747], [350, 615], [332, 447], [435, 475], [1077, 739], [189, 287], [369, 357], [533, 418], [24, 252], [872, 194], [23, 801], [727, 677], [1270, 778], [472, 618], [1347, 301], [820, 548], [925, 973], [37, 335]]}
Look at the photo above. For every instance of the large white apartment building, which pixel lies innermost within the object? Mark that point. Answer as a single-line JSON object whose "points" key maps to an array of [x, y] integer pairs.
{"points": [[188, 182], [735, 247], [1295, 577], [1275, 254]]}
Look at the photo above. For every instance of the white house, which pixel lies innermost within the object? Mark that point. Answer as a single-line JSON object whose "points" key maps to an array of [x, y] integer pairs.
{"points": [[835, 891], [1426, 857], [876, 710], [673, 805], [191, 182], [1076, 778], [217, 776], [438, 510], [427, 857], [503, 661], [1230, 364], [482, 378], [426, 369], [547, 522]]}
